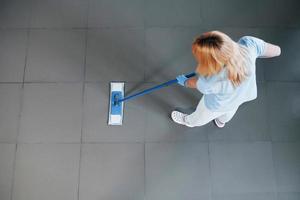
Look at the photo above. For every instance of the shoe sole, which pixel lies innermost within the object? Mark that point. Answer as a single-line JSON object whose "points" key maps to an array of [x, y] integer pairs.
{"points": [[218, 125], [179, 122]]}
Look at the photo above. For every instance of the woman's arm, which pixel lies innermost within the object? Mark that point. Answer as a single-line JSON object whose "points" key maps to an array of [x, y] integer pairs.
{"points": [[271, 50], [191, 82]]}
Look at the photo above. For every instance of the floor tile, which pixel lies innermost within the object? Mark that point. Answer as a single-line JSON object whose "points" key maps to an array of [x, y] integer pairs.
{"points": [[112, 171], [116, 13], [95, 128], [249, 123], [12, 55], [59, 14], [248, 196], [144, 43], [286, 66], [173, 13], [267, 14], [168, 52], [233, 13], [177, 171], [288, 196], [10, 95], [159, 125], [287, 13], [15, 13], [115, 55], [242, 168], [46, 172], [55, 55], [287, 166], [284, 111], [7, 154], [51, 113]]}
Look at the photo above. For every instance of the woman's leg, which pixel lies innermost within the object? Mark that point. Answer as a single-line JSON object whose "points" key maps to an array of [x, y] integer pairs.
{"points": [[227, 116], [201, 116]]}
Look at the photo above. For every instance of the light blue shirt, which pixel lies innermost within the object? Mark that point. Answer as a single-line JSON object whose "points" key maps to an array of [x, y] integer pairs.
{"points": [[219, 93]]}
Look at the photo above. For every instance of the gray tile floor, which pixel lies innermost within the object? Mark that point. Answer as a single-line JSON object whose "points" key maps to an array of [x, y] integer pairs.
{"points": [[57, 58]]}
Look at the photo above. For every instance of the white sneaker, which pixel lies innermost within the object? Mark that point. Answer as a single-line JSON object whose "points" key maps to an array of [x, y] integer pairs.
{"points": [[178, 117], [218, 123]]}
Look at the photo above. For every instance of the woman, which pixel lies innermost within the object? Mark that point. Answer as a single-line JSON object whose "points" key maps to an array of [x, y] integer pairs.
{"points": [[225, 75]]}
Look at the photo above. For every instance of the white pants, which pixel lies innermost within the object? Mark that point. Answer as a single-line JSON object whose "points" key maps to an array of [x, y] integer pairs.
{"points": [[203, 115]]}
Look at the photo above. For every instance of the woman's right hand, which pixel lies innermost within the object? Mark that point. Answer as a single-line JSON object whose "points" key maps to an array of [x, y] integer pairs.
{"points": [[181, 79], [187, 82]]}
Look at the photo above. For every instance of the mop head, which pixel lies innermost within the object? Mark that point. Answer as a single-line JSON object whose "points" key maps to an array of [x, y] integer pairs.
{"points": [[115, 115]]}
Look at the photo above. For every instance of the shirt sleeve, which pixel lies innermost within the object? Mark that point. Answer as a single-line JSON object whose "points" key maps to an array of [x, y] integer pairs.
{"points": [[206, 88], [256, 44]]}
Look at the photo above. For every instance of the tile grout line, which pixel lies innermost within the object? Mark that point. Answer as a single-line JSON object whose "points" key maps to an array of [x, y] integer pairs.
{"points": [[145, 196], [79, 171], [12, 184], [83, 83], [21, 102], [211, 26], [210, 171], [82, 119], [20, 83], [83, 101], [267, 111], [21, 89], [267, 137], [140, 142], [145, 43], [201, 13], [144, 80], [28, 40], [282, 81], [26, 56], [145, 57], [274, 172], [103, 142]]}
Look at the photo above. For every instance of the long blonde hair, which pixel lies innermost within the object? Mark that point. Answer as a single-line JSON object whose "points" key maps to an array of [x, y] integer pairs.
{"points": [[215, 50]]}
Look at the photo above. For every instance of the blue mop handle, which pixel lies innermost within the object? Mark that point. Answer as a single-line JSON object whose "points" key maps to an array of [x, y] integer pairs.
{"points": [[154, 88]]}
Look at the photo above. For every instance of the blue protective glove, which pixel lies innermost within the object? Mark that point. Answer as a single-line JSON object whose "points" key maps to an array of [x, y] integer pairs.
{"points": [[181, 79]]}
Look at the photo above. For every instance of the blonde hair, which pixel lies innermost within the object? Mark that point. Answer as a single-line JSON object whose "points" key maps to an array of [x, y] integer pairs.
{"points": [[215, 50]]}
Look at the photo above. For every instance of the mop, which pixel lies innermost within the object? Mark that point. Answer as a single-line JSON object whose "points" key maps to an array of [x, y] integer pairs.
{"points": [[117, 98]]}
